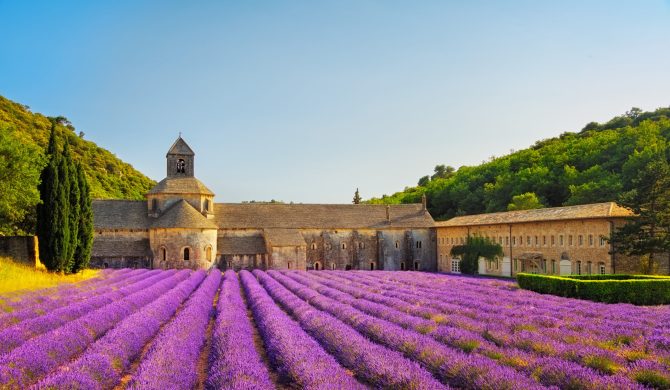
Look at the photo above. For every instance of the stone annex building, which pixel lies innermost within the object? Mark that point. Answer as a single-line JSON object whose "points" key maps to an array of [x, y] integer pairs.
{"points": [[180, 226]]}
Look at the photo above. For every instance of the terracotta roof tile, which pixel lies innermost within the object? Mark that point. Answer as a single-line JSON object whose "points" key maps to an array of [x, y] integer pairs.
{"points": [[180, 185], [586, 211], [319, 216], [183, 215], [283, 237], [120, 214]]}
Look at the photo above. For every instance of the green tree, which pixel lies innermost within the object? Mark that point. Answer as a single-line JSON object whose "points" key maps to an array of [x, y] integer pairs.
{"points": [[648, 234], [82, 253], [62, 247], [357, 197], [424, 181], [526, 201], [47, 222], [474, 248], [72, 186], [20, 166], [442, 172]]}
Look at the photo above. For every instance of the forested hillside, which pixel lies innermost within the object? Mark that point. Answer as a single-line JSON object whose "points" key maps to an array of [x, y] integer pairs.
{"points": [[594, 165], [23, 138]]}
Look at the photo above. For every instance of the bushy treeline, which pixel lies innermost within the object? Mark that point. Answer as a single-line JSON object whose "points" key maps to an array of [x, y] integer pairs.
{"points": [[64, 214], [23, 140], [596, 164]]}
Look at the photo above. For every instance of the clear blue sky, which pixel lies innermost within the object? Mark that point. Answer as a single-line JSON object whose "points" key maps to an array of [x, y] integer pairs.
{"points": [[306, 100]]}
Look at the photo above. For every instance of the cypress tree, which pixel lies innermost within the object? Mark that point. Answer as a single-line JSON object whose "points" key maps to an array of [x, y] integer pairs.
{"points": [[45, 210], [61, 227], [82, 253], [72, 186]]}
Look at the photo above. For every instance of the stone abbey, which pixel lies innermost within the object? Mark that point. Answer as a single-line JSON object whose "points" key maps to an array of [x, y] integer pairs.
{"points": [[180, 226]]}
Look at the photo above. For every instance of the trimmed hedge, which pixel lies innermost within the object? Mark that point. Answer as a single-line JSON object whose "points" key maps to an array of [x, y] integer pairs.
{"points": [[635, 289]]}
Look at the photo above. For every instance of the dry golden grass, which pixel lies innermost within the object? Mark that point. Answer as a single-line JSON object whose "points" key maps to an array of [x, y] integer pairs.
{"points": [[15, 277]]}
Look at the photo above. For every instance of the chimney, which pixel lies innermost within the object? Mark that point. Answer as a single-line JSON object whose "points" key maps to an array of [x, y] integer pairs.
{"points": [[423, 202], [388, 213]]}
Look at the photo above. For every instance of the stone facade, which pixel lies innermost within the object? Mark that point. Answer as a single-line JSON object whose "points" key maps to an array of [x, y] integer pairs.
{"points": [[562, 240], [180, 226]]}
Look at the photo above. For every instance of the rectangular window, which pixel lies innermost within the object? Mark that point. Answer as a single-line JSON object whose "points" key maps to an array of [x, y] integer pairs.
{"points": [[588, 267], [544, 240], [590, 239], [601, 268], [579, 268], [570, 240], [602, 241], [527, 240], [581, 240], [560, 240], [456, 266], [552, 241], [537, 241], [514, 240], [507, 240], [553, 266], [500, 240]]}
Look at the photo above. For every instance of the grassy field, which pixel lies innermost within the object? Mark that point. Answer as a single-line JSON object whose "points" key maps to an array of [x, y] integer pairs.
{"points": [[15, 277]]}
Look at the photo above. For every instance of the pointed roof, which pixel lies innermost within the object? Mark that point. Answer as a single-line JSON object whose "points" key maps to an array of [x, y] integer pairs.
{"points": [[180, 147], [183, 215]]}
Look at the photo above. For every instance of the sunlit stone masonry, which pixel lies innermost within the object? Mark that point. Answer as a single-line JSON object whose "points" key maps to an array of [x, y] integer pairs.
{"points": [[180, 226]]}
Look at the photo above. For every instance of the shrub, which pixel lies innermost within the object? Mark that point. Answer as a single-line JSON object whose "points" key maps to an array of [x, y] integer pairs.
{"points": [[635, 289]]}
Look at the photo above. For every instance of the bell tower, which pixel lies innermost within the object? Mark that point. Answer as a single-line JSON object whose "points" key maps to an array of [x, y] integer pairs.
{"points": [[180, 160]]}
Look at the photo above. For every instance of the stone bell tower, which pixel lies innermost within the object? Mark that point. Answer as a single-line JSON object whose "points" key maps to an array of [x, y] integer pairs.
{"points": [[180, 160]]}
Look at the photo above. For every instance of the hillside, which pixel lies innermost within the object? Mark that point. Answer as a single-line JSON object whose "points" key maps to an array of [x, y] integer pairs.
{"points": [[23, 137], [593, 165]]}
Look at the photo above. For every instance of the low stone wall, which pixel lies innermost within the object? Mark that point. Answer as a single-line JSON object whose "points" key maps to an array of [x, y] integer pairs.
{"points": [[22, 249]]}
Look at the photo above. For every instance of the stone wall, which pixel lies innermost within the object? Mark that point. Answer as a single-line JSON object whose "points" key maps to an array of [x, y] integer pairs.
{"points": [[168, 246], [22, 249]]}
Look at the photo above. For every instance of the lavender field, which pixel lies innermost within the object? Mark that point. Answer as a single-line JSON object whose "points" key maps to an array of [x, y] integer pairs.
{"points": [[151, 329]]}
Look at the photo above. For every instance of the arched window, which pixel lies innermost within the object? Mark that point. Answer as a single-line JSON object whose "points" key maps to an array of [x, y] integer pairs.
{"points": [[344, 246], [317, 266], [397, 244], [402, 266], [208, 253], [416, 266], [163, 253], [187, 254], [181, 166], [313, 246], [333, 266], [288, 265], [372, 266]]}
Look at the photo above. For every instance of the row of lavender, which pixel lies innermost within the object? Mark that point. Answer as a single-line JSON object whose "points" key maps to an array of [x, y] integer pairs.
{"points": [[483, 334]]}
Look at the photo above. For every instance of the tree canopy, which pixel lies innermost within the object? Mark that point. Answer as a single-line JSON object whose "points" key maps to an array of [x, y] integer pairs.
{"points": [[474, 248], [23, 140], [573, 168]]}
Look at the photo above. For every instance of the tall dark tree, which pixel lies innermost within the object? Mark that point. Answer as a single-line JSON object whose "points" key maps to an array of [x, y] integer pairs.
{"points": [[47, 215], [72, 186], [474, 248], [82, 253], [648, 234], [61, 208], [357, 197]]}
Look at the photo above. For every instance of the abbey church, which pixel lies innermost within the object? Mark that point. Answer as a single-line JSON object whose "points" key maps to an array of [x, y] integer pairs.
{"points": [[180, 225]]}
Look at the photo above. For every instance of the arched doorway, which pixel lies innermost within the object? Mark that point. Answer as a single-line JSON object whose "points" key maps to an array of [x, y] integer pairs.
{"points": [[402, 266], [372, 266], [348, 267], [317, 266], [416, 266]]}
